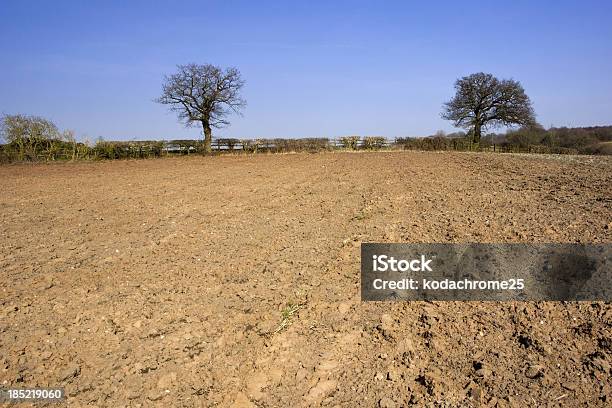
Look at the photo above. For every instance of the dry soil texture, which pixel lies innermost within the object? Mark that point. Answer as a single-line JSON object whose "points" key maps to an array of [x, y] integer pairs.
{"points": [[234, 281]]}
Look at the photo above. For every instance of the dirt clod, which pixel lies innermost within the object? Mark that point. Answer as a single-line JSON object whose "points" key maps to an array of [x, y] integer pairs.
{"points": [[534, 371], [386, 402]]}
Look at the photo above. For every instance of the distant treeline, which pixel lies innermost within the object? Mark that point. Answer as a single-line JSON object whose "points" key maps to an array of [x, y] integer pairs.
{"points": [[580, 140], [30, 138]]}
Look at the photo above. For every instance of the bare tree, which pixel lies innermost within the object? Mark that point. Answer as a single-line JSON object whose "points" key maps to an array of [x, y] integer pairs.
{"points": [[204, 94], [484, 101]]}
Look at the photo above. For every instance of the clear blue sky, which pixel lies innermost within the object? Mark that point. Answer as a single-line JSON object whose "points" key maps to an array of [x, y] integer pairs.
{"points": [[313, 68]]}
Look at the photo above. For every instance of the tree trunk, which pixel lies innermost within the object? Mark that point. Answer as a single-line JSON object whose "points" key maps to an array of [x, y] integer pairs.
{"points": [[477, 133], [207, 137]]}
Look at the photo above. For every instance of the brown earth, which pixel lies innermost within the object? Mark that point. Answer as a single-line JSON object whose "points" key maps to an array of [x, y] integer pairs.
{"points": [[234, 281]]}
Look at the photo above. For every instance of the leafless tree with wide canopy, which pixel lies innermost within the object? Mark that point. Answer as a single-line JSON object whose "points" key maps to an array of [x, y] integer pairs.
{"points": [[205, 95], [483, 100]]}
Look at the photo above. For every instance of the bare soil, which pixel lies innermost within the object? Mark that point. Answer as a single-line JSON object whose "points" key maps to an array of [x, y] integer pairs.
{"points": [[234, 281]]}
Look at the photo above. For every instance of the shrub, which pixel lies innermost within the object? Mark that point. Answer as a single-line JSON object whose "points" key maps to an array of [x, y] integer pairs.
{"points": [[374, 142], [350, 142], [315, 144]]}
